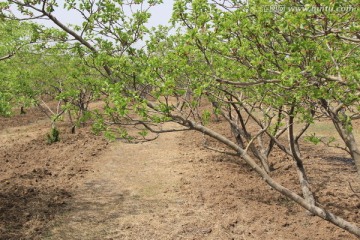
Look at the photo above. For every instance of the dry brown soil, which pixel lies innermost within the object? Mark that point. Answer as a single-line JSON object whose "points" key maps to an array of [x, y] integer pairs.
{"points": [[171, 188]]}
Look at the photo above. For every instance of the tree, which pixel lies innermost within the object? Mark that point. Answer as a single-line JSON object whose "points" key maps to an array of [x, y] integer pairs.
{"points": [[264, 67], [15, 39], [34, 73], [266, 73]]}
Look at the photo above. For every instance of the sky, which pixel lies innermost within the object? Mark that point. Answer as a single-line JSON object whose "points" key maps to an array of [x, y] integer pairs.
{"points": [[160, 14]]}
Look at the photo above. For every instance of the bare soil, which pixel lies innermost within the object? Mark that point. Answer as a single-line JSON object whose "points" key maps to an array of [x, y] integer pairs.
{"points": [[171, 188]]}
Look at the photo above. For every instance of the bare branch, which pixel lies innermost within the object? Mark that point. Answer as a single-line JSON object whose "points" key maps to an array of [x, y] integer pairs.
{"points": [[256, 136], [7, 57], [147, 126], [247, 84], [355, 40]]}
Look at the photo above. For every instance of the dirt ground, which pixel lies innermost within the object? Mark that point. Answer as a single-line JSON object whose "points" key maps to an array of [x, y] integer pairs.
{"points": [[171, 188]]}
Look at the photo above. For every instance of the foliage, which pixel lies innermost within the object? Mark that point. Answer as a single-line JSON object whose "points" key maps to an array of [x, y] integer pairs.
{"points": [[53, 136], [15, 37]]}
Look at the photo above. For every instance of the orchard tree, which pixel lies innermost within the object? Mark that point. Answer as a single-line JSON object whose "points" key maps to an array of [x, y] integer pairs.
{"points": [[279, 69], [15, 39], [32, 73], [267, 73], [106, 39]]}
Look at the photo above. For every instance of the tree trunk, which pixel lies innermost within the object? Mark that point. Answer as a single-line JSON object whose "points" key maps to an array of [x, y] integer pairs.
{"points": [[347, 136], [22, 110], [350, 142], [304, 183]]}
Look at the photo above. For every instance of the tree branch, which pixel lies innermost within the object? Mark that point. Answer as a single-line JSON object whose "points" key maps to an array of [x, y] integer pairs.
{"points": [[7, 57]]}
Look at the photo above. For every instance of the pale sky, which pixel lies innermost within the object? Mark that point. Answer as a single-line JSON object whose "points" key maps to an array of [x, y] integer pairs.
{"points": [[160, 14]]}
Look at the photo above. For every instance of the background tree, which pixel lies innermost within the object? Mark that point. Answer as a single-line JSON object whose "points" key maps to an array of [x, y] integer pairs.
{"points": [[33, 74], [16, 38]]}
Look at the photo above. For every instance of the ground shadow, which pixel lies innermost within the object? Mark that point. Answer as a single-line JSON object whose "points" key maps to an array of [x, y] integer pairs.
{"points": [[25, 210]]}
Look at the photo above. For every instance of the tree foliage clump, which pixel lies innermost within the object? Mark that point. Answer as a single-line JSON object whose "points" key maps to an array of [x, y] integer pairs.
{"points": [[53, 136]]}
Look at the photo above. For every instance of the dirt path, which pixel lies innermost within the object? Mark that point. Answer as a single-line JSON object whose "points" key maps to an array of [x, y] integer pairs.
{"points": [[134, 194]]}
